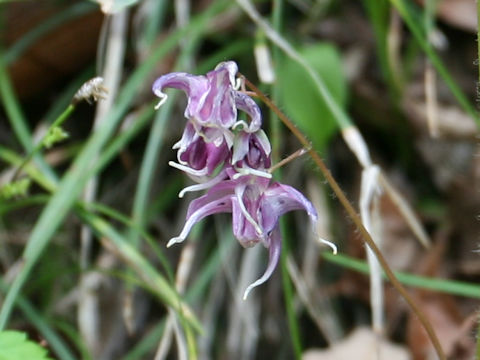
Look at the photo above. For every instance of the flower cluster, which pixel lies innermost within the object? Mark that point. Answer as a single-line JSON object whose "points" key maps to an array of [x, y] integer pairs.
{"points": [[230, 158]]}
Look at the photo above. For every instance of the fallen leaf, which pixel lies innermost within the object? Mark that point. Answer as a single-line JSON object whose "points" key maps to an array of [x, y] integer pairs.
{"points": [[362, 344]]}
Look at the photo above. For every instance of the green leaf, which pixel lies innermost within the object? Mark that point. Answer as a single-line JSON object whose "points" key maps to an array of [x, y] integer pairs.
{"points": [[300, 97], [14, 345]]}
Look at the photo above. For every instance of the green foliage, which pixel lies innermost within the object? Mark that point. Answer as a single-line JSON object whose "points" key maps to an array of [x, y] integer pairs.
{"points": [[14, 189], [55, 135], [301, 98], [14, 345]]}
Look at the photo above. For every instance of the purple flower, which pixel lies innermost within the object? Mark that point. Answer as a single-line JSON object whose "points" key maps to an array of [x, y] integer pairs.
{"points": [[256, 205], [251, 154], [231, 159], [212, 99], [198, 158]]}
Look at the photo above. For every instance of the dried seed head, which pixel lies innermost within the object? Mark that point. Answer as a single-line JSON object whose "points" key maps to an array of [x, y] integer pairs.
{"points": [[92, 89]]}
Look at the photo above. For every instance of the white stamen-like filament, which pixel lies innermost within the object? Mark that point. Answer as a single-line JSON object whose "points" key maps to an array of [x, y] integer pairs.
{"points": [[329, 244], [245, 213], [174, 241], [201, 172], [248, 171], [205, 185], [163, 97]]}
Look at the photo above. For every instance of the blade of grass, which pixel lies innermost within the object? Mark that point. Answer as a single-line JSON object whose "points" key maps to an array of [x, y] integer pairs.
{"points": [[378, 13], [415, 23], [16, 118], [6, 207], [14, 159], [148, 166], [78, 174], [146, 344], [141, 265], [152, 277], [451, 287]]}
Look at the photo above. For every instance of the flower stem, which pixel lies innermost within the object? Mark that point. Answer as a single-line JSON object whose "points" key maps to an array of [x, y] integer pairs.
{"points": [[355, 218], [58, 122]]}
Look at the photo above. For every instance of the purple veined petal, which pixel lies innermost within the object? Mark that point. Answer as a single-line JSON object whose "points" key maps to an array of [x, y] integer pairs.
{"points": [[199, 209], [200, 154], [231, 67], [217, 155], [243, 230], [219, 106], [240, 190], [245, 103], [251, 154], [240, 146], [195, 87], [221, 176], [274, 250], [218, 191], [283, 198], [263, 143], [200, 160], [188, 135]]}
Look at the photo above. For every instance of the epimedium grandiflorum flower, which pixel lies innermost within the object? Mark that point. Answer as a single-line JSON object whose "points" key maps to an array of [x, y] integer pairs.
{"points": [[213, 100], [232, 159], [204, 162], [251, 154], [256, 204]]}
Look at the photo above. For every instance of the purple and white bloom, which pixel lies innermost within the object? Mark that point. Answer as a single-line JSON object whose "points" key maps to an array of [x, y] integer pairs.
{"points": [[198, 158], [213, 99], [231, 159], [251, 154], [256, 204]]}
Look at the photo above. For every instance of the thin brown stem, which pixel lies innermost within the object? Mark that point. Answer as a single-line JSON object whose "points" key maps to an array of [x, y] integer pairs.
{"points": [[353, 215], [289, 158]]}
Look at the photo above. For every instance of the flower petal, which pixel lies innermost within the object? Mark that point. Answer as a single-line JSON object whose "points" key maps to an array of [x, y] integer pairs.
{"points": [[201, 208], [246, 103], [248, 201], [274, 248], [219, 105], [195, 87], [284, 198], [205, 185]]}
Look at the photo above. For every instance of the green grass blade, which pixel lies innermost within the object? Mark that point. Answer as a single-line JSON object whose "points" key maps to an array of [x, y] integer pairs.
{"points": [[441, 285], [17, 119], [78, 174], [414, 23], [378, 12], [12, 108], [147, 169], [144, 269]]}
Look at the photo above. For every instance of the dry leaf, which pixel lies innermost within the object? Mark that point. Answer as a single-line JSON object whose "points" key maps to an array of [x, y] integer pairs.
{"points": [[362, 344]]}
